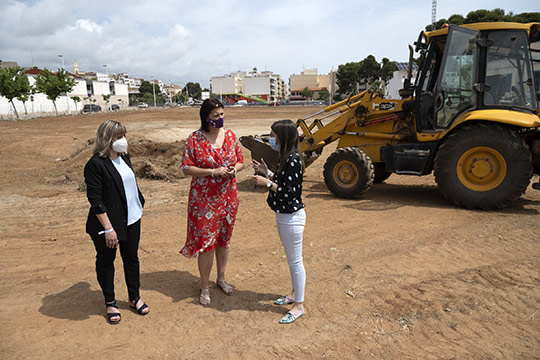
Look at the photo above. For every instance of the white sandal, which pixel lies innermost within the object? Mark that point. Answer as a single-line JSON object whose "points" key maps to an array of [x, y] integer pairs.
{"points": [[204, 297], [225, 286]]}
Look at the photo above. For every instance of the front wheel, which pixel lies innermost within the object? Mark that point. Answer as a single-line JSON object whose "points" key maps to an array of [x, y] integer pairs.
{"points": [[348, 172], [483, 166]]}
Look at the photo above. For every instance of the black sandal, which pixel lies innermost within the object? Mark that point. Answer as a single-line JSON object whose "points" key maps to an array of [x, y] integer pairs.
{"points": [[113, 315], [140, 309]]}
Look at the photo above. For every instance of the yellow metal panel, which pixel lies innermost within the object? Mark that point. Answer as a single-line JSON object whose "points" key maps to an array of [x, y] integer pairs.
{"points": [[510, 117], [369, 146], [425, 137]]}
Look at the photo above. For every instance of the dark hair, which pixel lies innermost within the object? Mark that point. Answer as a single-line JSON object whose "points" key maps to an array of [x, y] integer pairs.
{"points": [[287, 134], [207, 106]]}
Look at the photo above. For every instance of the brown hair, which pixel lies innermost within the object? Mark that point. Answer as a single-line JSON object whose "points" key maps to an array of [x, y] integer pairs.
{"points": [[287, 134]]}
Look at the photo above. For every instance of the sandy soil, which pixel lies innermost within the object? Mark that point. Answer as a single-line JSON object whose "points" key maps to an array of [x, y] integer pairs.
{"points": [[398, 274]]}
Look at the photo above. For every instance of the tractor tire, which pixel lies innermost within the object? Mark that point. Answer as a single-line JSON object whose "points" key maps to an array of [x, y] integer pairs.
{"points": [[380, 173], [483, 166], [348, 172]]}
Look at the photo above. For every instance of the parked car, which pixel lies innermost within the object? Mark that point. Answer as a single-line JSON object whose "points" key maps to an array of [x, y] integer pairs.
{"points": [[143, 105], [91, 108], [241, 103], [114, 107]]}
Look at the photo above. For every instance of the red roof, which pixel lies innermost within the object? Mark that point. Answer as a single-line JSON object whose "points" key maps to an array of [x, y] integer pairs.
{"points": [[312, 89], [37, 71], [34, 71]]}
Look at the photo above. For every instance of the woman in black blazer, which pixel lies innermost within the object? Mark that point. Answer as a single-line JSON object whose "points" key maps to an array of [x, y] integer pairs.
{"points": [[114, 217]]}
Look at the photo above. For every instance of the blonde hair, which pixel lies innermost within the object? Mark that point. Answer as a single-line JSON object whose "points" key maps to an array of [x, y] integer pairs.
{"points": [[106, 132]]}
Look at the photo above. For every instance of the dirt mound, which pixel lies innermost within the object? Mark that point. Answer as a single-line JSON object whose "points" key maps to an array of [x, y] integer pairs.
{"points": [[154, 160], [151, 160]]}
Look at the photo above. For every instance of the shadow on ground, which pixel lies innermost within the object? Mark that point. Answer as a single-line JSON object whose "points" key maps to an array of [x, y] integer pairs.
{"points": [[181, 285]]}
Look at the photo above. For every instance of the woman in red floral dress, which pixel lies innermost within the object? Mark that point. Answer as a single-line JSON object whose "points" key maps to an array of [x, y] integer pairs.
{"points": [[212, 156]]}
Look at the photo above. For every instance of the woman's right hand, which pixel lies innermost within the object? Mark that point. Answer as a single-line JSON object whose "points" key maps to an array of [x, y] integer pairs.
{"points": [[111, 240], [222, 172], [259, 167]]}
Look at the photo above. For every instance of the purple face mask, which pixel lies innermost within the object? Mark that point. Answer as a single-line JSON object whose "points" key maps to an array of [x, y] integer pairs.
{"points": [[218, 123]]}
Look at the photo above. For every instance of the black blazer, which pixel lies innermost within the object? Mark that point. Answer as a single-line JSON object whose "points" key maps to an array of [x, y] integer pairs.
{"points": [[105, 192]]}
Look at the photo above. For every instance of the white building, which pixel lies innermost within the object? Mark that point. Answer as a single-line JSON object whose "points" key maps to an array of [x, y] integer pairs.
{"points": [[396, 82], [263, 85], [87, 91], [227, 84]]}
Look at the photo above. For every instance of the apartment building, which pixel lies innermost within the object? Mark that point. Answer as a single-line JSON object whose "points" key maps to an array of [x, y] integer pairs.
{"points": [[256, 86], [309, 78]]}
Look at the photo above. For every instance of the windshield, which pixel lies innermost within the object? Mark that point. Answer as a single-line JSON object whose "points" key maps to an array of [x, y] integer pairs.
{"points": [[509, 73]]}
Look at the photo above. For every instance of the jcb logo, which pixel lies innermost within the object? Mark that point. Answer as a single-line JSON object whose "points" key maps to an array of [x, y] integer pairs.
{"points": [[385, 106]]}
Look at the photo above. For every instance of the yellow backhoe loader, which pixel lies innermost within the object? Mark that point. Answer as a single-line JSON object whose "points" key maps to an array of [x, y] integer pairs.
{"points": [[471, 117]]}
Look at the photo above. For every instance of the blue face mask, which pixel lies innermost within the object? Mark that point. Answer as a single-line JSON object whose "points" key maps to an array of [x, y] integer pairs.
{"points": [[273, 144], [218, 123]]}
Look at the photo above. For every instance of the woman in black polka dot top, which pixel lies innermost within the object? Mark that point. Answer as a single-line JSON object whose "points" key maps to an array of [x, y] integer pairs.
{"points": [[288, 195], [285, 198]]}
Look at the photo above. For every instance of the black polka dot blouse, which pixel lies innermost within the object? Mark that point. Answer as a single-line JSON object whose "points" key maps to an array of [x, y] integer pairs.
{"points": [[288, 197]]}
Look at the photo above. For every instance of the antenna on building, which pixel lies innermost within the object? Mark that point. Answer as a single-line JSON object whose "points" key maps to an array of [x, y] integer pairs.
{"points": [[32, 55], [433, 14]]}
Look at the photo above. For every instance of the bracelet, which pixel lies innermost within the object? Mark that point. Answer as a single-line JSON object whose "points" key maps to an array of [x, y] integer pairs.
{"points": [[105, 231], [213, 172], [235, 171], [268, 172]]}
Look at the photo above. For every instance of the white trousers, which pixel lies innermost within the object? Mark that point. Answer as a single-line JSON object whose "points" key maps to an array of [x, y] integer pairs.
{"points": [[291, 229]]}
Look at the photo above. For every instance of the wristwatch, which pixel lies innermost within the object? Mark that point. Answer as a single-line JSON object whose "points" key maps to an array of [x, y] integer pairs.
{"points": [[269, 184]]}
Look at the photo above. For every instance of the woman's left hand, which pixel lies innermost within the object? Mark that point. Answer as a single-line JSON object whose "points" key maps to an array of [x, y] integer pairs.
{"points": [[231, 171], [111, 240]]}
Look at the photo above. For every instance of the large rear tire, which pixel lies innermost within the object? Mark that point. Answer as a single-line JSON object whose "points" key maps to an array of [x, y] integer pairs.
{"points": [[483, 166], [348, 172]]}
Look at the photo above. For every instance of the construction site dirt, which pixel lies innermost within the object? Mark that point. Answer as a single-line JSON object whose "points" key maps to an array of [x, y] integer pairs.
{"points": [[398, 274]]}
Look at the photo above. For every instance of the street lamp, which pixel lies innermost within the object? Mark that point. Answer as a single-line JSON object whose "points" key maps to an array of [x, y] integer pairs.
{"points": [[62, 57], [109, 85], [220, 92], [154, 90], [64, 68]]}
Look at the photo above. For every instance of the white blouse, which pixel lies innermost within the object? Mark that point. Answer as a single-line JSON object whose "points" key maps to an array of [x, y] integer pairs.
{"points": [[130, 187]]}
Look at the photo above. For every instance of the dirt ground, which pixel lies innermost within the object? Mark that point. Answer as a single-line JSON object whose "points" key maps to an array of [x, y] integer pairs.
{"points": [[398, 274]]}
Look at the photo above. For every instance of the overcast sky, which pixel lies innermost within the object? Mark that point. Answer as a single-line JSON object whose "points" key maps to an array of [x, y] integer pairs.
{"points": [[180, 41]]}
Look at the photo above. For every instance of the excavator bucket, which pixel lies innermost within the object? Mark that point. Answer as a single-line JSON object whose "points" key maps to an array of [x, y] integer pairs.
{"points": [[260, 149]]}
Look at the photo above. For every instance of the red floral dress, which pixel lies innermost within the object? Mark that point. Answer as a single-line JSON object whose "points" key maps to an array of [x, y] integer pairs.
{"points": [[213, 202]]}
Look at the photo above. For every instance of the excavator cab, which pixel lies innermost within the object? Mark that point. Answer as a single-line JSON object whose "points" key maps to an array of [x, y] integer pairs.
{"points": [[468, 69]]}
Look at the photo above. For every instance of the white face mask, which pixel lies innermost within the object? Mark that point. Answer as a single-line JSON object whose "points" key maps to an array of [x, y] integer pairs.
{"points": [[120, 145], [273, 144]]}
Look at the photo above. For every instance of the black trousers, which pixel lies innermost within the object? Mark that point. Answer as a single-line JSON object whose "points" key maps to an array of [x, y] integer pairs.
{"points": [[105, 263]]}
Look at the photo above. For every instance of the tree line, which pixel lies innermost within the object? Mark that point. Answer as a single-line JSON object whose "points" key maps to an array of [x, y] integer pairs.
{"points": [[368, 73], [14, 84], [483, 15]]}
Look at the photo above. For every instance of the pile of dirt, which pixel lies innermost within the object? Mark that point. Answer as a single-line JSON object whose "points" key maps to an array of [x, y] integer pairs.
{"points": [[155, 160]]}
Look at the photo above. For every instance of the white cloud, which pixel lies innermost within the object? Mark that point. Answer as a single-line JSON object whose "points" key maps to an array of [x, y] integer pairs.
{"points": [[181, 41], [179, 31], [88, 25]]}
